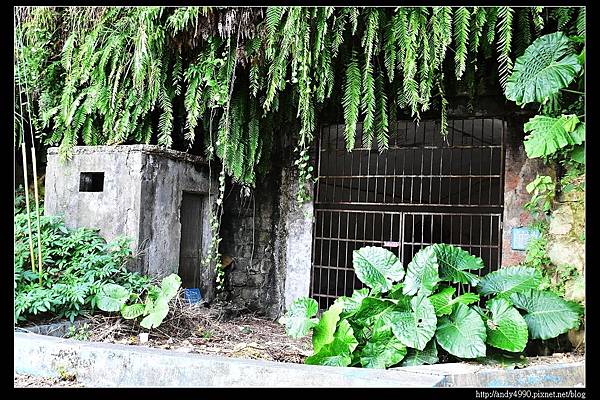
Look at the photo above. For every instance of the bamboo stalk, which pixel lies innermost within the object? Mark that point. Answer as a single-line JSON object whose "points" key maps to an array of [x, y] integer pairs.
{"points": [[37, 209], [27, 205], [33, 159]]}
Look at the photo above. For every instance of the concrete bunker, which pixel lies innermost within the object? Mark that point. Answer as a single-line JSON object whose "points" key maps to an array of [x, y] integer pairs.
{"points": [[159, 198]]}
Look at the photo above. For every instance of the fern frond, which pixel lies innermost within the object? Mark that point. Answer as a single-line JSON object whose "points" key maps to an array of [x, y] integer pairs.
{"points": [[368, 104], [461, 39], [165, 122], [490, 30], [442, 33], [351, 100], [505, 20], [400, 27], [537, 18], [563, 16], [353, 18], [523, 33], [477, 24], [443, 108], [390, 51], [381, 117], [581, 21]]}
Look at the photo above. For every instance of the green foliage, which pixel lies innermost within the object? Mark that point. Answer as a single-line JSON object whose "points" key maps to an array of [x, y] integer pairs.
{"points": [[78, 265], [548, 65], [506, 281], [542, 191], [547, 135], [377, 267], [386, 324], [547, 315], [108, 75], [155, 308]]}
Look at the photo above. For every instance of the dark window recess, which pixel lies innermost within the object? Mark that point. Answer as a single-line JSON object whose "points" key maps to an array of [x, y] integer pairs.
{"points": [[91, 182]]}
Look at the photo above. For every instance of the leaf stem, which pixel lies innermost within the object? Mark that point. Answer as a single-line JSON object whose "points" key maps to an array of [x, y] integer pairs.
{"points": [[573, 91]]}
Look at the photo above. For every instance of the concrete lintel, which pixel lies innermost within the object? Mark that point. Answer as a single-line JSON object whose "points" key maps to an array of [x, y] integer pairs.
{"points": [[112, 365]]}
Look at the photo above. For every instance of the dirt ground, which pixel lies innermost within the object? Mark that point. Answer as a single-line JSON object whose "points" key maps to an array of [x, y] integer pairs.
{"points": [[198, 329], [27, 381], [217, 331]]}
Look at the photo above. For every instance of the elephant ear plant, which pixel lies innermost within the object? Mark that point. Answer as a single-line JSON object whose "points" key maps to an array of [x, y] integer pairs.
{"points": [[154, 308], [404, 315]]}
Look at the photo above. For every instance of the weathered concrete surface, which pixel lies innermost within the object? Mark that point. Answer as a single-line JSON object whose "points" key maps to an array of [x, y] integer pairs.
{"points": [[461, 375], [111, 365], [296, 238], [269, 237], [554, 375], [59, 329], [141, 199]]}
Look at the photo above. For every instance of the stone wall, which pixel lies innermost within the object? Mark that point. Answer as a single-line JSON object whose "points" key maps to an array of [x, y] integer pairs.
{"points": [[566, 242], [519, 171], [253, 280], [268, 238]]}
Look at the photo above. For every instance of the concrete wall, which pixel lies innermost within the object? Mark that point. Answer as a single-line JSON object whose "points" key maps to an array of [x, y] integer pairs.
{"points": [[295, 245], [143, 189], [116, 210]]}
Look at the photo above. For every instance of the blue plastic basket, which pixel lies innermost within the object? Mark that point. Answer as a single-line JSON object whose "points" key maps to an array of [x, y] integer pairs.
{"points": [[192, 295]]}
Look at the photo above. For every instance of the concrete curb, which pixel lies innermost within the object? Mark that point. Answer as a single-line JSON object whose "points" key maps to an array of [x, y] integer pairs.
{"points": [[114, 365]]}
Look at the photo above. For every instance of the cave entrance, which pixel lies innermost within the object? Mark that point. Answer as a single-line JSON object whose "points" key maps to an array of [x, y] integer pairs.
{"points": [[423, 189]]}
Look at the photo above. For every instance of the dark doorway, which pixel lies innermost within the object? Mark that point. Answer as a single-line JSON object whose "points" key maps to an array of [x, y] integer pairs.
{"points": [[423, 189], [191, 239]]}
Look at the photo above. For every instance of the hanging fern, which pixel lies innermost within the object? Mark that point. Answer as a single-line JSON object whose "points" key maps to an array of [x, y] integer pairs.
{"points": [[505, 30], [105, 75], [351, 100], [461, 39], [381, 118]]}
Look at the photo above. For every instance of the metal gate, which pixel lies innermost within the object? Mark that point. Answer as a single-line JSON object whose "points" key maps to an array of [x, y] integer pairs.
{"points": [[423, 189]]}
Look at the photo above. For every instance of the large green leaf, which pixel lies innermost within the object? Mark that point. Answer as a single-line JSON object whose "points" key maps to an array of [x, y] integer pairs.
{"points": [[454, 264], [324, 330], [443, 301], [462, 334], [337, 352], [506, 281], [506, 328], [547, 315], [377, 267], [132, 311], [157, 314], [578, 154], [111, 297], [428, 355], [548, 65], [352, 304], [382, 351], [422, 273], [169, 286], [415, 326], [371, 309], [549, 134], [298, 320]]}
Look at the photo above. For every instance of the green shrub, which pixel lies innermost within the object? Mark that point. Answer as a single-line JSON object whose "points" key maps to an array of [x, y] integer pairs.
{"points": [[76, 264], [404, 315]]}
